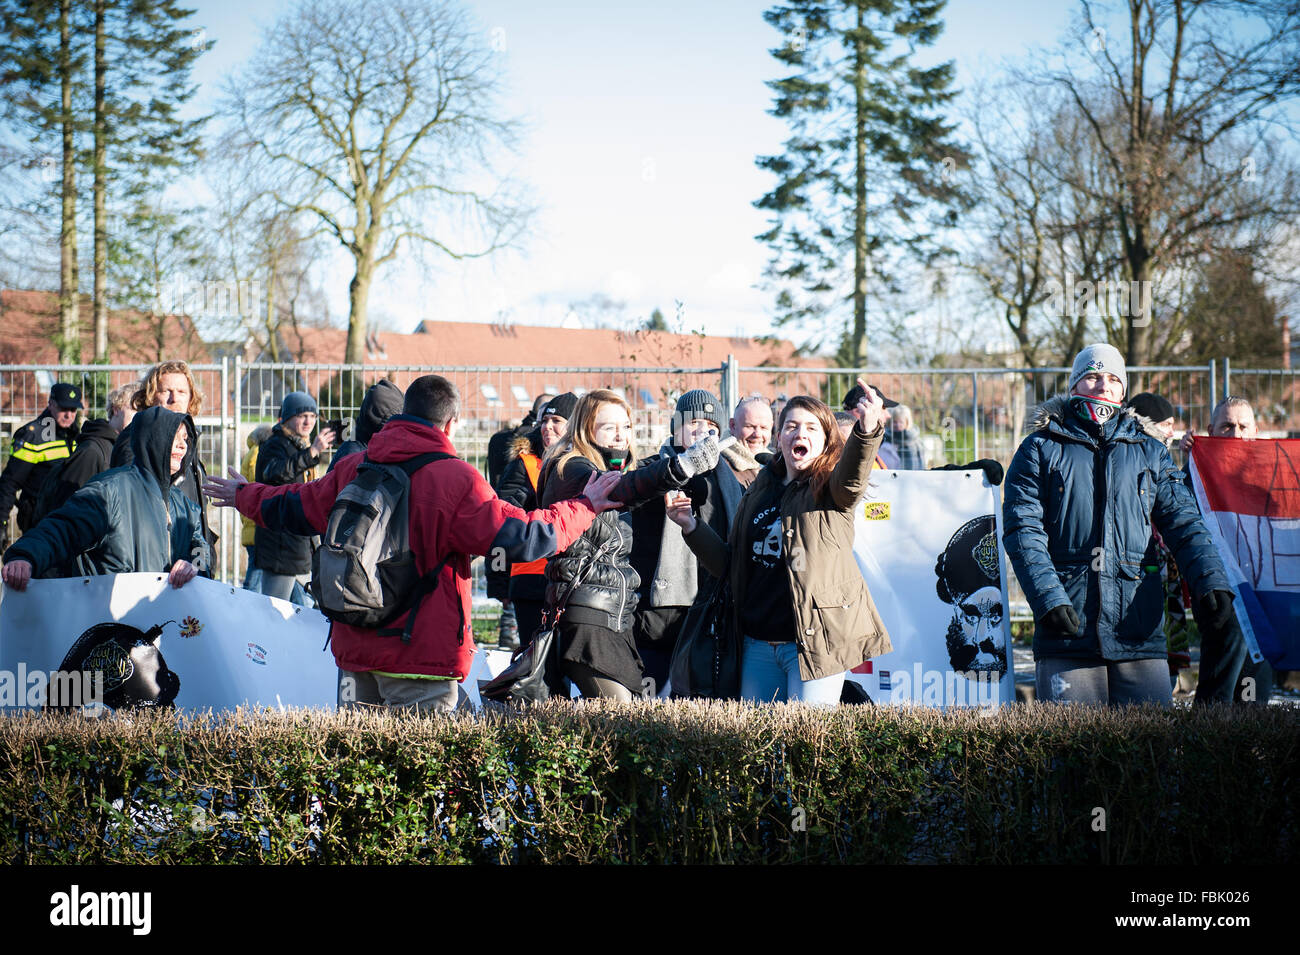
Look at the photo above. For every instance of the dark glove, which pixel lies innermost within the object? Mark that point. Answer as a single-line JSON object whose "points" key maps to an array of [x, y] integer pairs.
{"points": [[992, 469], [1216, 610], [1060, 621], [699, 457]]}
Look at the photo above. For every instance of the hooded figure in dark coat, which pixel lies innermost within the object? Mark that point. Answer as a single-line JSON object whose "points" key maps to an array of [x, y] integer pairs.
{"points": [[127, 519]]}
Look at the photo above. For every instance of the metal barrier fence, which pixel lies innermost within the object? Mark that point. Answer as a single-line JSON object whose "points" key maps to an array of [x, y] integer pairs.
{"points": [[1274, 395], [962, 414]]}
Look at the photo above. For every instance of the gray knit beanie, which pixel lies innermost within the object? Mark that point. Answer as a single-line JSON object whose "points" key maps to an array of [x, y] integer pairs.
{"points": [[698, 403], [1099, 357]]}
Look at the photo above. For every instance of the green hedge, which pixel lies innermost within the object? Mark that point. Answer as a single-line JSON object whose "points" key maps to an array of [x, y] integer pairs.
{"points": [[641, 782]]}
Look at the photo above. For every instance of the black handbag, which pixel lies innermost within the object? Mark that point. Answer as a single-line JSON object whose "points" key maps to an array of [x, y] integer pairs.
{"points": [[706, 661], [524, 680]]}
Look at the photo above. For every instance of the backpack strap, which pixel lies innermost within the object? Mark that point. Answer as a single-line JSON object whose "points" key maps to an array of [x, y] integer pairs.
{"points": [[428, 583], [411, 465]]}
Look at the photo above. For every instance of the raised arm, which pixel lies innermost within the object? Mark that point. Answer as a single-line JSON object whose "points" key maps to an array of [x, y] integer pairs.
{"points": [[853, 470]]}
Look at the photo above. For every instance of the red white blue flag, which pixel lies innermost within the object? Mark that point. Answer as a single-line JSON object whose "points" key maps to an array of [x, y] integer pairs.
{"points": [[1249, 493]]}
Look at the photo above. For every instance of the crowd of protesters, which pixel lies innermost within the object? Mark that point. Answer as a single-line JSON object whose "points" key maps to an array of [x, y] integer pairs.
{"points": [[574, 517]]}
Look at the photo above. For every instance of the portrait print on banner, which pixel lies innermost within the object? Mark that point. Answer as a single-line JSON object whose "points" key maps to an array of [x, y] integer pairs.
{"points": [[930, 548]]}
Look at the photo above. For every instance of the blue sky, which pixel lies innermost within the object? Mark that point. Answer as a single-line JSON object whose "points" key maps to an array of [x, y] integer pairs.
{"points": [[643, 122]]}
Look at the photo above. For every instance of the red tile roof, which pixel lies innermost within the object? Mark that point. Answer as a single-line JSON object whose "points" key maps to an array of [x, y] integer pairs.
{"points": [[496, 348], [30, 320]]}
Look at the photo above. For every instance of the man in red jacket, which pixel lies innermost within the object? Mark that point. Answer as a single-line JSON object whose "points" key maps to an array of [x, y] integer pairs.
{"points": [[453, 511]]}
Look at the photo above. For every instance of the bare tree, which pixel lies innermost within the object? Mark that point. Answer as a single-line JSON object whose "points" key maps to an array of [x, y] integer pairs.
{"points": [[1180, 114], [379, 122], [1033, 231], [261, 244]]}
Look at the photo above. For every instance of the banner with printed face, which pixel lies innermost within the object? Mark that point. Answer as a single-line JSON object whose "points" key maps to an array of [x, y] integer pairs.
{"points": [[132, 639], [1249, 494], [929, 544]]}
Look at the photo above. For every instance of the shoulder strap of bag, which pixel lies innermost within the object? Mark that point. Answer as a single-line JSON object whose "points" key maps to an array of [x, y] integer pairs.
{"points": [[429, 582], [583, 570]]}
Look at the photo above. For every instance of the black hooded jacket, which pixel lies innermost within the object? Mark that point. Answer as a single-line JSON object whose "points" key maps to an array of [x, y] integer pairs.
{"points": [[93, 455], [190, 480], [382, 401], [125, 520]]}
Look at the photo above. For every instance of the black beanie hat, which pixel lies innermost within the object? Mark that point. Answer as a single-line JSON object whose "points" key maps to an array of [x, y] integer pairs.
{"points": [[1151, 406], [561, 405]]}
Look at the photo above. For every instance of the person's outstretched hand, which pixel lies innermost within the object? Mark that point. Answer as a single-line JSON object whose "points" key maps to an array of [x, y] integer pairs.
{"points": [[324, 438], [699, 457], [221, 491], [599, 486]]}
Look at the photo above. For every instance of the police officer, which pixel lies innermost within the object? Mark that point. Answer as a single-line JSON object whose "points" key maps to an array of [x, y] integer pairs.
{"points": [[37, 445]]}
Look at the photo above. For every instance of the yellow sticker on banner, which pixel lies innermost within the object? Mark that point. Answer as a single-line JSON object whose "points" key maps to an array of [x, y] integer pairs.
{"points": [[876, 511]]}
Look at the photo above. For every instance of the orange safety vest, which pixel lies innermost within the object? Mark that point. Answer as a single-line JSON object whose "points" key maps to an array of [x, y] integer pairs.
{"points": [[533, 465]]}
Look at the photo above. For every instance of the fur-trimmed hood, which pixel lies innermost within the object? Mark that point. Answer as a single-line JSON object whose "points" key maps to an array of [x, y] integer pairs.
{"points": [[1057, 408], [525, 443]]}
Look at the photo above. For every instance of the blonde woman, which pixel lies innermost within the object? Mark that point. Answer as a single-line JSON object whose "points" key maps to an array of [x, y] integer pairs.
{"points": [[594, 577]]}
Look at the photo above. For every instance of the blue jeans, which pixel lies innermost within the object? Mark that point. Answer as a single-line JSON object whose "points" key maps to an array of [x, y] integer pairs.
{"points": [[769, 672], [253, 576], [286, 587]]}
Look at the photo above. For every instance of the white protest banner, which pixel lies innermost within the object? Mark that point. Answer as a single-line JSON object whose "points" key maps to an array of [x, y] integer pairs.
{"points": [[137, 639], [929, 544]]}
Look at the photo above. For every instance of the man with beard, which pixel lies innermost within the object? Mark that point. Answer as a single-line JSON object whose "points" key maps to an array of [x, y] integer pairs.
{"points": [[967, 572]]}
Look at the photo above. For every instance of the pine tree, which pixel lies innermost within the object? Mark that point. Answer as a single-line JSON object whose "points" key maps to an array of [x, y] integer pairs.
{"points": [[867, 175], [118, 72], [43, 63], [1231, 315], [143, 54]]}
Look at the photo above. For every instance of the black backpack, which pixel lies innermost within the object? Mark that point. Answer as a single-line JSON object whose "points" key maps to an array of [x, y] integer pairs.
{"points": [[364, 573]]}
